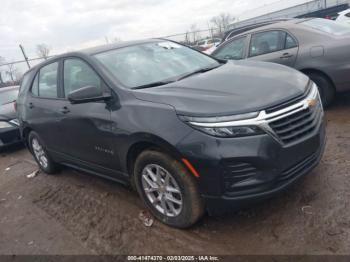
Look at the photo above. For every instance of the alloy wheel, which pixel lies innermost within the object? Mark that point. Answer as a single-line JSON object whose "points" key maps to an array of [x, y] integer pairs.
{"points": [[162, 190], [39, 153]]}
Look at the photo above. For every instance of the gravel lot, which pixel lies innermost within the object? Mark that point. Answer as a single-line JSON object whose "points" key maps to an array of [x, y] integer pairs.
{"points": [[75, 213]]}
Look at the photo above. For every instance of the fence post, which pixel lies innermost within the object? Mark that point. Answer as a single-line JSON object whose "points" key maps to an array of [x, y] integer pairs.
{"points": [[25, 57]]}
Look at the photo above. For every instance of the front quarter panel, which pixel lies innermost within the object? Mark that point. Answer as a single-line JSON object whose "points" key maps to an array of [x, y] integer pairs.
{"points": [[149, 122]]}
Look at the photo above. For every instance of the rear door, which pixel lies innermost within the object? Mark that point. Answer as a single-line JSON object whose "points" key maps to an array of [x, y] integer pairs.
{"points": [[275, 46], [44, 105]]}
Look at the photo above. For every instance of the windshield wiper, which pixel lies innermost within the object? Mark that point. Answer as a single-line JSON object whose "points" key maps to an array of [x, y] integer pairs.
{"points": [[159, 83], [202, 70]]}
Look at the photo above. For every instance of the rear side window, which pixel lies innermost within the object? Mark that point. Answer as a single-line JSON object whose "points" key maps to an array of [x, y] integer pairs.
{"points": [[45, 82], [267, 42], [290, 42]]}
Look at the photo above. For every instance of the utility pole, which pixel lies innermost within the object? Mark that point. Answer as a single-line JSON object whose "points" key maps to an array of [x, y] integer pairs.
{"points": [[24, 55]]}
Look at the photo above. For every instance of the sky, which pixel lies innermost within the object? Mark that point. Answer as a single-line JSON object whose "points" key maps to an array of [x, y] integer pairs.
{"points": [[67, 25]]}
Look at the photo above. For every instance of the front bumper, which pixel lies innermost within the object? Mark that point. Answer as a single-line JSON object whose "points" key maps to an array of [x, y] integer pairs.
{"points": [[235, 172], [9, 136]]}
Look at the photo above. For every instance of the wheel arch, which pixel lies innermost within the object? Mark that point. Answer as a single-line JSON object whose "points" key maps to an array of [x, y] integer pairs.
{"points": [[24, 133], [147, 143], [307, 71]]}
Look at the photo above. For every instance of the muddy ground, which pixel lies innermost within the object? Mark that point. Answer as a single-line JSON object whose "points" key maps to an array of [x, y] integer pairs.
{"points": [[75, 213]]}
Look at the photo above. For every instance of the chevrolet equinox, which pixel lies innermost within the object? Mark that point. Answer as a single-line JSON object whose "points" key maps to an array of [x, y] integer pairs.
{"points": [[189, 132]]}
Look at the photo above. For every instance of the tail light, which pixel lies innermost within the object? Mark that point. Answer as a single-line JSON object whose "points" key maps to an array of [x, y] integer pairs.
{"points": [[15, 105]]}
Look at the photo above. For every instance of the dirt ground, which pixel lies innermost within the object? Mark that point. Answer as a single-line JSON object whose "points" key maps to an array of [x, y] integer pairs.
{"points": [[75, 213]]}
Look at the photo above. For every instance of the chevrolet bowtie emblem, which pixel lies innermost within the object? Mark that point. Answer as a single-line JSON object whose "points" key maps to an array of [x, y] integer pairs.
{"points": [[312, 102]]}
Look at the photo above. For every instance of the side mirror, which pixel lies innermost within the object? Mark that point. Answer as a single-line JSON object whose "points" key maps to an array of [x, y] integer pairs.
{"points": [[87, 94]]}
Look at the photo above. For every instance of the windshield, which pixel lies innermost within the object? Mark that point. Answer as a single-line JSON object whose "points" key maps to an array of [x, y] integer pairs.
{"points": [[8, 96], [327, 26], [148, 63]]}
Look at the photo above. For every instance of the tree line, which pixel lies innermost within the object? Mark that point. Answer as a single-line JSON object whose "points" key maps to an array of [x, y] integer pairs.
{"points": [[9, 72]]}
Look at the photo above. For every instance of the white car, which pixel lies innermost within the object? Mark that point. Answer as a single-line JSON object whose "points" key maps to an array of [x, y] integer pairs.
{"points": [[203, 45], [344, 17]]}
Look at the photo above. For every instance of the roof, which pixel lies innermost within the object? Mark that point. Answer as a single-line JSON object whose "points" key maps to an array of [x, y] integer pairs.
{"points": [[284, 24], [95, 50]]}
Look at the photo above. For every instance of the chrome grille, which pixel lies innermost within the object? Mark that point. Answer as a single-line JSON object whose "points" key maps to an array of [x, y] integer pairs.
{"points": [[286, 123], [298, 125]]}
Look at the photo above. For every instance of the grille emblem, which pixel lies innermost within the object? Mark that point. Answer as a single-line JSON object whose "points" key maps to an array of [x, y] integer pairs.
{"points": [[312, 102]]}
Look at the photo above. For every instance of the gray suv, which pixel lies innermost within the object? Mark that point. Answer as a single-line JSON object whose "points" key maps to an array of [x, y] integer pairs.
{"points": [[319, 48]]}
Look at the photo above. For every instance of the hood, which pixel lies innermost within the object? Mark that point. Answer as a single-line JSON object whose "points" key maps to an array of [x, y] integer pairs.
{"points": [[7, 112], [233, 88]]}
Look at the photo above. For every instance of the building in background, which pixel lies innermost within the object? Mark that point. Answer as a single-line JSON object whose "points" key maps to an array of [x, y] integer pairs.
{"points": [[311, 8]]}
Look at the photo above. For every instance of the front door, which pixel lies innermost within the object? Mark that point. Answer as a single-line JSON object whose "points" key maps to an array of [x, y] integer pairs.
{"points": [[87, 126]]}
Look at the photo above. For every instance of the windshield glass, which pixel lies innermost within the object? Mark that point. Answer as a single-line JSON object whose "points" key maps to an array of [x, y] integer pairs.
{"points": [[327, 26], [8, 96], [149, 63]]}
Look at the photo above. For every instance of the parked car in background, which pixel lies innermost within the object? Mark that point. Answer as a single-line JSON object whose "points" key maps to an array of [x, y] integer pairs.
{"points": [[239, 30], [344, 17], [320, 48], [204, 45], [190, 132], [9, 126]]}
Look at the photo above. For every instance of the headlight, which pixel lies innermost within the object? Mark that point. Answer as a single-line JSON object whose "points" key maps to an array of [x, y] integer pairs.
{"points": [[226, 126], [15, 122], [233, 131], [4, 124]]}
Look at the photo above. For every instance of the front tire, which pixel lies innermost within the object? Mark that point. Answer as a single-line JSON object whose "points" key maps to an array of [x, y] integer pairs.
{"points": [[325, 87], [40, 154], [168, 189]]}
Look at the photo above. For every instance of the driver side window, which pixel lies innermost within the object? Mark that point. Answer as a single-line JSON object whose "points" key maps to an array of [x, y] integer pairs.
{"points": [[233, 50], [78, 74]]}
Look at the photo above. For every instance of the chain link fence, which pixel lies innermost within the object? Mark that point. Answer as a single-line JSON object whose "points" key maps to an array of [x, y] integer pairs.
{"points": [[193, 37], [11, 72]]}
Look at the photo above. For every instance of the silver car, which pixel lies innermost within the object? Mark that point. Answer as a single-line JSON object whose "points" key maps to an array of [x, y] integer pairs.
{"points": [[319, 48]]}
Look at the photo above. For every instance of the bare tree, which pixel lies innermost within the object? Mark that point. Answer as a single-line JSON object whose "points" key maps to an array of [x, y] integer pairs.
{"points": [[194, 32], [11, 71], [187, 38], [116, 39], [2, 61], [43, 51], [222, 22], [18, 75]]}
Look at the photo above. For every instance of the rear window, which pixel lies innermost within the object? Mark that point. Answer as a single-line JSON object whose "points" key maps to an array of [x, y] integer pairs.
{"points": [[327, 26], [8, 96]]}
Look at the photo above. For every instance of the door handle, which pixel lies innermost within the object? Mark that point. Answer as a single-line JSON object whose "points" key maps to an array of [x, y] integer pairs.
{"points": [[64, 110], [286, 55], [31, 105]]}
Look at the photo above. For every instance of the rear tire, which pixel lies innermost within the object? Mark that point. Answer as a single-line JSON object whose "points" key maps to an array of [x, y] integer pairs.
{"points": [[40, 154], [325, 87], [168, 189]]}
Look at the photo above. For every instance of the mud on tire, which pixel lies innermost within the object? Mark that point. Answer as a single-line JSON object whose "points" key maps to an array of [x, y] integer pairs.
{"points": [[35, 143], [192, 203]]}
